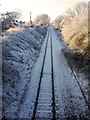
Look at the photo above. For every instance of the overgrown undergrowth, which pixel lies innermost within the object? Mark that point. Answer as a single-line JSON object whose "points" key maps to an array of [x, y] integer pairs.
{"points": [[76, 34], [75, 28]]}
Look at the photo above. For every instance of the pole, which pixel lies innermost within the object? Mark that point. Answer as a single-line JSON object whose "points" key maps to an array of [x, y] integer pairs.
{"points": [[30, 16]]}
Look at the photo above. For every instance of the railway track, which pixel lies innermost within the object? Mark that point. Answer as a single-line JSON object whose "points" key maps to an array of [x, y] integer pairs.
{"points": [[53, 92], [39, 91]]}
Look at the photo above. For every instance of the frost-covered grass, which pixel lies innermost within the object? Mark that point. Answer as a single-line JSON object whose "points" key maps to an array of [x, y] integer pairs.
{"points": [[21, 47]]}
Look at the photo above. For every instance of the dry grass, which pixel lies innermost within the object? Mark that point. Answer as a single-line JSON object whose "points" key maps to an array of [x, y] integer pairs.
{"points": [[76, 34], [16, 29], [27, 24]]}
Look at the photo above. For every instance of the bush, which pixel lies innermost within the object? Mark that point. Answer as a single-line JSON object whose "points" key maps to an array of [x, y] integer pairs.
{"points": [[75, 30]]}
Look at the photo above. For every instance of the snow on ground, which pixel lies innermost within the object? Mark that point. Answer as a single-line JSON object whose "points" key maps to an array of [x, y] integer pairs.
{"points": [[20, 51], [80, 67]]}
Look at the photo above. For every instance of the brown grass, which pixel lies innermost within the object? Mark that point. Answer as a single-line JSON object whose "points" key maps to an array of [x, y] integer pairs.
{"points": [[76, 34], [16, 29]]}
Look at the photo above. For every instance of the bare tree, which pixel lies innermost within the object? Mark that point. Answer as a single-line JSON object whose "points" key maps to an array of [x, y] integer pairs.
{"points": [[12, 15], [80, 7], [69, 13], [8, 18], [42, 19], [57, 21]]}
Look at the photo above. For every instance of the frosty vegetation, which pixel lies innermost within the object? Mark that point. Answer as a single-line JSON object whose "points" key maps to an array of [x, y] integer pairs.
{"points": [[21, 43], [8, 19], [21, 47], [75, 30], [74, 26]]}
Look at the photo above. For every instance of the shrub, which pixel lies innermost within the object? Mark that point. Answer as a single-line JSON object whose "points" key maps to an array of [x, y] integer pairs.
{"points": [[75, 29]]}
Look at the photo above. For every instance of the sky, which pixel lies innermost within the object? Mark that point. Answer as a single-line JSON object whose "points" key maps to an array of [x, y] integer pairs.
{"points": [[51, 7]]}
